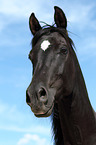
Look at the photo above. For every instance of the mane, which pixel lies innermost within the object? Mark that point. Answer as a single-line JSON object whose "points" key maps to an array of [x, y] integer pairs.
{"points": [[47, 29], [47, 25], [56, 126]]}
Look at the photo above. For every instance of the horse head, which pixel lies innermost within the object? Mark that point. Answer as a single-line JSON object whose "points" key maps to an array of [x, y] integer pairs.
{"points": [[53, 65]]}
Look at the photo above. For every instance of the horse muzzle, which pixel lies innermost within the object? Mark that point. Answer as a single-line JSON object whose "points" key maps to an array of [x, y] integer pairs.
{"points": [[40, 101]]}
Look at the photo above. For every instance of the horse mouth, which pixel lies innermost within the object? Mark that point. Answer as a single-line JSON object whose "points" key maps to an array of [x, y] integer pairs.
{"points": [[46, 114]]}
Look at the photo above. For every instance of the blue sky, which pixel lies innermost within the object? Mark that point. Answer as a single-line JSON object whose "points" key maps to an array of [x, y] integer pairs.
{"points": [[18, 125]]}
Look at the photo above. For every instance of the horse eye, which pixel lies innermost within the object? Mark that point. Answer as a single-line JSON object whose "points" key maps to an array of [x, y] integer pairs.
{"points": [[64, 50]]}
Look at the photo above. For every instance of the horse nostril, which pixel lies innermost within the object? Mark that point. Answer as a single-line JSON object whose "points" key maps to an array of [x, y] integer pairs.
{"points": [[42, 95], [28, 97], [42, 92]]}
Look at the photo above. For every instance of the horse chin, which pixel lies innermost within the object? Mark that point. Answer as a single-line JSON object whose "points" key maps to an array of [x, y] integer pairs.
{"points": [[46, 114]]}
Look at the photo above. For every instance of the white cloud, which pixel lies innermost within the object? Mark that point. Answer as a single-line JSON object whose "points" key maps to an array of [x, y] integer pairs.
{"points": [[12, 10], [14, 7], [12, 119], [89, 46], [2, 108], [81, 16], [78, 13], [10, 113], [32, 129], [33, 139], [86, 48], [19, 8]]}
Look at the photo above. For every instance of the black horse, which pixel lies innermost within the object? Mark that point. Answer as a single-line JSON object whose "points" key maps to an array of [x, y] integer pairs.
{"points": [[58, 88]]}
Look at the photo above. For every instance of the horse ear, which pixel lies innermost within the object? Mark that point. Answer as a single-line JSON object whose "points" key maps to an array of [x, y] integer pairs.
{"points": [[60, 18], [34, 24]]}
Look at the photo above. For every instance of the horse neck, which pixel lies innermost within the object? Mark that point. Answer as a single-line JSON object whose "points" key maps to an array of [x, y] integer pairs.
{"points": [[81, 109], [82, 112], [76, 116]]}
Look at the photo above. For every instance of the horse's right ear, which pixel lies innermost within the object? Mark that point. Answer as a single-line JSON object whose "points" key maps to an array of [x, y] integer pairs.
{"points": [[34, 24]]}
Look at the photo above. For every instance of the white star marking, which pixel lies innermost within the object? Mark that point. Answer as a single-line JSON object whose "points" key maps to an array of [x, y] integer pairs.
{"points": [[45, 44]]}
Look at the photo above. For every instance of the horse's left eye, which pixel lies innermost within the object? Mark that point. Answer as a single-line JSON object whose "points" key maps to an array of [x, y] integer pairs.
{"points": [[63, 50]]}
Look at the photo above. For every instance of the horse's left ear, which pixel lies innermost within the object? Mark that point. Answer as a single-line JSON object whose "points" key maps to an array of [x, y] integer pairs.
{"points": [[60, 18], [34, 24]]}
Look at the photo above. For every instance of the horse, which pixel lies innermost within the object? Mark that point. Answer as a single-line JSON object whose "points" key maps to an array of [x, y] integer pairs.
{"points": [[58, 88]]}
